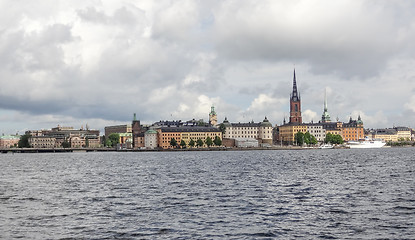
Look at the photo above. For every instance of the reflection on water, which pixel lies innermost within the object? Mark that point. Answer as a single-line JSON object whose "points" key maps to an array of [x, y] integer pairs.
{"points": [[328, 194]]}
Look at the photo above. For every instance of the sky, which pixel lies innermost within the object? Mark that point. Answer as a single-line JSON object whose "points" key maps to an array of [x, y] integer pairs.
{"points": [[96, 63]]}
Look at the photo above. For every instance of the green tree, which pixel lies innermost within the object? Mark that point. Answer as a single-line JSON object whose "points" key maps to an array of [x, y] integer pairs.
{"points": [[183, 144], [173, 142], [333, 138], [192, 143], [217, 141], [66, 144], [299, 138], [24, 141], [86, 142], [199, 142], [309, 139], [114, 138], [209, 141]]}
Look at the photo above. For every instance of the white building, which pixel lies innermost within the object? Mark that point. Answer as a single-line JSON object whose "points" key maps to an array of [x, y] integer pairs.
{"points": [[261, 131], [316, 130], [150, 139]]}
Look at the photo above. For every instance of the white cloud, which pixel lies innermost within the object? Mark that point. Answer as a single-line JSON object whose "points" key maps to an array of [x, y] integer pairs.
{"points": [[175, 59]]}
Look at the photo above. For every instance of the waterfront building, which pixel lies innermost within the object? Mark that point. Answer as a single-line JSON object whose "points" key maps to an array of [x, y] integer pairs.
{"points": [[8, 141], [295, 104], [126, 128], [137, 133], [185, 133], [261, 131], [316, 130], [353, 130], [150, 139], [391, 134], [55, 137], [287, 132], [42, 142], [213, 118], [403, 133]]}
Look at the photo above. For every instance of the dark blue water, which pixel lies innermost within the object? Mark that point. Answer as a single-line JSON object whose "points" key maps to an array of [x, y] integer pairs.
{"points": [[313, 194]]}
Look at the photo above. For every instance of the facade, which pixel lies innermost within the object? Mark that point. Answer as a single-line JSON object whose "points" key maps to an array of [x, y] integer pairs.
{"points": [[392, 134], [261, 131], [56, 137], [213, 118], [353, 130], [137, 133], [165, 134], [9, 141], [403, 133], [117, 129], [42, 142], [317, 130], [150, 139], [287, 132], [295, 104]]}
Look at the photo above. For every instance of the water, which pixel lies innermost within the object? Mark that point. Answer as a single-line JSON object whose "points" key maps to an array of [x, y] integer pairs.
{"points": [[313, 194]]}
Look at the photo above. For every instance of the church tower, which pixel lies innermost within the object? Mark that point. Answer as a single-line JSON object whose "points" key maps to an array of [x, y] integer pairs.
{"points": [[325, 118], [136, 130], [213, 118], [295, 104]]}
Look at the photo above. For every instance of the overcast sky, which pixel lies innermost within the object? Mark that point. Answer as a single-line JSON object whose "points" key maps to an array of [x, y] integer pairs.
{"points": [[95, 62]]}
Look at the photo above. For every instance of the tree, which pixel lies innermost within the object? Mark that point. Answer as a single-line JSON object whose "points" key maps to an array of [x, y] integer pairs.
{"points": [[66, 144], [24, 141], [192, 143], [333, 139], [173, 142], [209, 141], [199, 142], [183, 144], [299, 138], [114, 139], [86, 142], [309, 139], [217, 141]]}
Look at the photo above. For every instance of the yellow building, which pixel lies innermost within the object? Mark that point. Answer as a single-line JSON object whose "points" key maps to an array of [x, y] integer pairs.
{"points": [[165, 134], [287, 132]]}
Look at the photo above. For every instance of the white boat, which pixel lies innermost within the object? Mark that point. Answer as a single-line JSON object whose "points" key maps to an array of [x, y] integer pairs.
{"points": [[326, 146], [366, 143]]}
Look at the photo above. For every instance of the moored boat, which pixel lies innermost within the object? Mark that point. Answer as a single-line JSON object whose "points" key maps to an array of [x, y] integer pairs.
{"points": [[366, 143]]}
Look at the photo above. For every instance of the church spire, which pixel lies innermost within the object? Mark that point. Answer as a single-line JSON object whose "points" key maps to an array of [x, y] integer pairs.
{"points": [[295, 104], [294, 94], [326, 116]]}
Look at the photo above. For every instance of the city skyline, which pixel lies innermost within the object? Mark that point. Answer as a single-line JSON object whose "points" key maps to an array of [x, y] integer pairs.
{"points": [[98, 62]]}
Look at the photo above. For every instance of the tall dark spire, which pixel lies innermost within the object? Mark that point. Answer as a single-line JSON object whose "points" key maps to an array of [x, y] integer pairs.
{"points": [[294, 94], [295, 104]]}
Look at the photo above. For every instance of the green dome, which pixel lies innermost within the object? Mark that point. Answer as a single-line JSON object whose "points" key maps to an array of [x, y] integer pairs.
{"points": [[266, 123]]}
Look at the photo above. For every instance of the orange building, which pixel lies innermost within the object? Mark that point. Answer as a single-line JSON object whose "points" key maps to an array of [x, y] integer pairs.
{"points": [[353, 130]]}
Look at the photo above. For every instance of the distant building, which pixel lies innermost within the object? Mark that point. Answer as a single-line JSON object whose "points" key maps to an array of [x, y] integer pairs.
{"points": [[353, 130], [137, 133], [316, 130], [150, 139], [261, 131], [8, 141], [56, 137], [185, 133], [126, 128]]}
